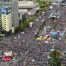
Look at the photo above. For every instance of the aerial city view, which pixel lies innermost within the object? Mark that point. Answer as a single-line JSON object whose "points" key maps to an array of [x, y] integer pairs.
{"points": [[32, 32]]}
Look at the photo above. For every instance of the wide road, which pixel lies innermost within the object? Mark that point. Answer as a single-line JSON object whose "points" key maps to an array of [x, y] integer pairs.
{"points": [[29, 51]]}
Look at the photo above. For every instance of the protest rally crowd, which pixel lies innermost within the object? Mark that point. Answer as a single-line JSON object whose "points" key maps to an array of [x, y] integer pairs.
{"points": [[27, 51]]}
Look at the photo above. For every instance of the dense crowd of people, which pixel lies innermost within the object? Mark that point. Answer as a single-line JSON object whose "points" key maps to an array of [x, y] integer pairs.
{"points": [[27, 50]]}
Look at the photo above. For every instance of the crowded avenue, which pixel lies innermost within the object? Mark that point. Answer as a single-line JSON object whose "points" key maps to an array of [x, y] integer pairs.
{"points": [[27, 51]]}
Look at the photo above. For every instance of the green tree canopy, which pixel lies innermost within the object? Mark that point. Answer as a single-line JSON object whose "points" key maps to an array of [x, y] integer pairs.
{"points": [[55, 54]]}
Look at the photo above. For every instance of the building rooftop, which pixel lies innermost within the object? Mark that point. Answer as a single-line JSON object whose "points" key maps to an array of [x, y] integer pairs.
{"points": [[27, 4]]}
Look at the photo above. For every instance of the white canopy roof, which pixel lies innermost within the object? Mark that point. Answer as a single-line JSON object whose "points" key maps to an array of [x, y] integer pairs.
{"points": [[8, 53], [23, 10]]}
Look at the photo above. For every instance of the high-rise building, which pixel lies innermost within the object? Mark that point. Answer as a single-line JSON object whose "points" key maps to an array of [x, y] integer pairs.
{"points": [[9, 14], [6, 18]]}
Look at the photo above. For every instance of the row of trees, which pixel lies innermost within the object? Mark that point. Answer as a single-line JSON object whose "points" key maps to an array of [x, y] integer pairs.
{"points": [[43, 6], [24, 25]]}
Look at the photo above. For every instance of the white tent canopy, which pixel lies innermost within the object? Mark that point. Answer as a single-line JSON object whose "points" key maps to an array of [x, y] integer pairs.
{"points": [[8, 53]]}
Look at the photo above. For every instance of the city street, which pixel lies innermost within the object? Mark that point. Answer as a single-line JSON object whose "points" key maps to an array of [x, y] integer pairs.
{"points": [[28, 50]]}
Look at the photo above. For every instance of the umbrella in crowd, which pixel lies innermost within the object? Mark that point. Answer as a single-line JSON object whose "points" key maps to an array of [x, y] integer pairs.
{"points": [[54, 33]]}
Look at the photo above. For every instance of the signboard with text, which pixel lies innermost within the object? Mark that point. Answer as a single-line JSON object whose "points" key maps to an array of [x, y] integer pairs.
{"points": [[4, 10]]}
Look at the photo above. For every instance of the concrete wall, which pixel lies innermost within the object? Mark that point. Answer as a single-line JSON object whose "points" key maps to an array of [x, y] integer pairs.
{"points": [[15, 14]]}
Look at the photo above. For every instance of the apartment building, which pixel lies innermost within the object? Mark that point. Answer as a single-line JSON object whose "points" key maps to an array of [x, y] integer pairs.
{"points": [[9, 14], [6, 19]]}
